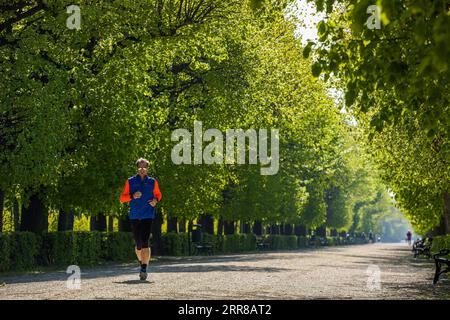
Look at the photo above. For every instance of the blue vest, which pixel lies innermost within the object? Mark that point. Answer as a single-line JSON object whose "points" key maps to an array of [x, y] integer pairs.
{"points": [[140, 208]]}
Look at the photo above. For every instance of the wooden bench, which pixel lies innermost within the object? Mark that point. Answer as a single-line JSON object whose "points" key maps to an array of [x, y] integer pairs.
{"points": [[204, 248], [262, 243], [441, 259], [422, 247], [201, 246], [314, 240]]}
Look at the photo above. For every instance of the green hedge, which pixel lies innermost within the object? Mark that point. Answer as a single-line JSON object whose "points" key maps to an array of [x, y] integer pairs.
{"points": [[175, 244], [236, 243], [19, 250], [283, 242], [5, 252], [118, 246], [26, 250], [303, 241]]}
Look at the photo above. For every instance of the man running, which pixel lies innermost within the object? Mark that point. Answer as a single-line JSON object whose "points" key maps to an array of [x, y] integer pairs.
{"points": [[143, 193]]}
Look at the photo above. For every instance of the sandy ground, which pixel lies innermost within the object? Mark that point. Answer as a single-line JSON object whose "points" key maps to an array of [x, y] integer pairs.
{"points": [[374, 271]]}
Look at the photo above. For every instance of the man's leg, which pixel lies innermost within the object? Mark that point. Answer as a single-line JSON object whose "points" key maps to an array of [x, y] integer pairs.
{"points": [[135, 227], [138, 254], [145, 254], [145, 251]]}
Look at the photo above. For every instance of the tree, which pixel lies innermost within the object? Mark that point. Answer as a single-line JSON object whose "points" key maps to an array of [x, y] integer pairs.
{"points": [[396, 79]]}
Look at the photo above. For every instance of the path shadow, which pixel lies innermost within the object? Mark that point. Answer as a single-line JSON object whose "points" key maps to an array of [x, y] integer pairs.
{"points": [[212, 264], [117, 271], [133, 282]]}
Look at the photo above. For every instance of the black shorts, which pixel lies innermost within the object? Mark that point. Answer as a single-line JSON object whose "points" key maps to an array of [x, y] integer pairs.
{"points": [[141, 232]]}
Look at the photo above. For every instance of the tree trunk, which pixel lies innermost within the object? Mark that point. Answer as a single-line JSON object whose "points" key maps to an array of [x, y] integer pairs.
{"points": [[124, 224], [65, 220], [257, 228], [172, 224], [207, 222], [182, 225], [98, 222], [1, 210], [220, 227], [300, 230], [35, 216], [446, 212], [439, 230], [189, 231], [156, 234], [16, 215], [245, 227], [110, 224], [229, 227]]}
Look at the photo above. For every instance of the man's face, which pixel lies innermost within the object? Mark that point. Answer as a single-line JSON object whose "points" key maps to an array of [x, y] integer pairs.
{"points": [[142, 169]]}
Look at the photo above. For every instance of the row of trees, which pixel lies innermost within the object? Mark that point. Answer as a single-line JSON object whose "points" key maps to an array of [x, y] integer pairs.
{"points": [[395, 80], [78, 107]]}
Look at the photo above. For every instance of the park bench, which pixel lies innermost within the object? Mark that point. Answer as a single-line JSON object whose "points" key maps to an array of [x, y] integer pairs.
{"points": [[441, 260], [201, 247], [422, 247], [204, 248], [262, 243], [314, 240]]}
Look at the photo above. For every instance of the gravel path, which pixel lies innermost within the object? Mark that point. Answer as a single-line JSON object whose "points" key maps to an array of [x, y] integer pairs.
{"points": [[329, 273]]}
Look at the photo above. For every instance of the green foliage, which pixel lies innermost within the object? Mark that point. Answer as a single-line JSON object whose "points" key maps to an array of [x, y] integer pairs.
{"points": [[24, 250], [302, 242], [440, 242], [280, 242], [77, 104], [58, 248], [118, 246], [175, 244], [233, 243], [6, 241], [88, 248], [395, 81]]}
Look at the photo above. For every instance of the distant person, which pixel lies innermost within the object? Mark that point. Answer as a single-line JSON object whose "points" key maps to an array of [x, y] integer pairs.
{"points": [[143, 194], [371, 237], [408, 237]]}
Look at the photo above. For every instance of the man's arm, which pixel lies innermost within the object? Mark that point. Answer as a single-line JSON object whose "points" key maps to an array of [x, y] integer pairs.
{"points": [[157, 192], [125, 196]]}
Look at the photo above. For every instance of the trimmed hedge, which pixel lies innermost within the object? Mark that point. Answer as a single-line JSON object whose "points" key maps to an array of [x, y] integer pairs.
{"points": [[283, 242], [26, 250], [118, 246], [5, 252], [235, 243], [175, 244], [302, 242]]}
